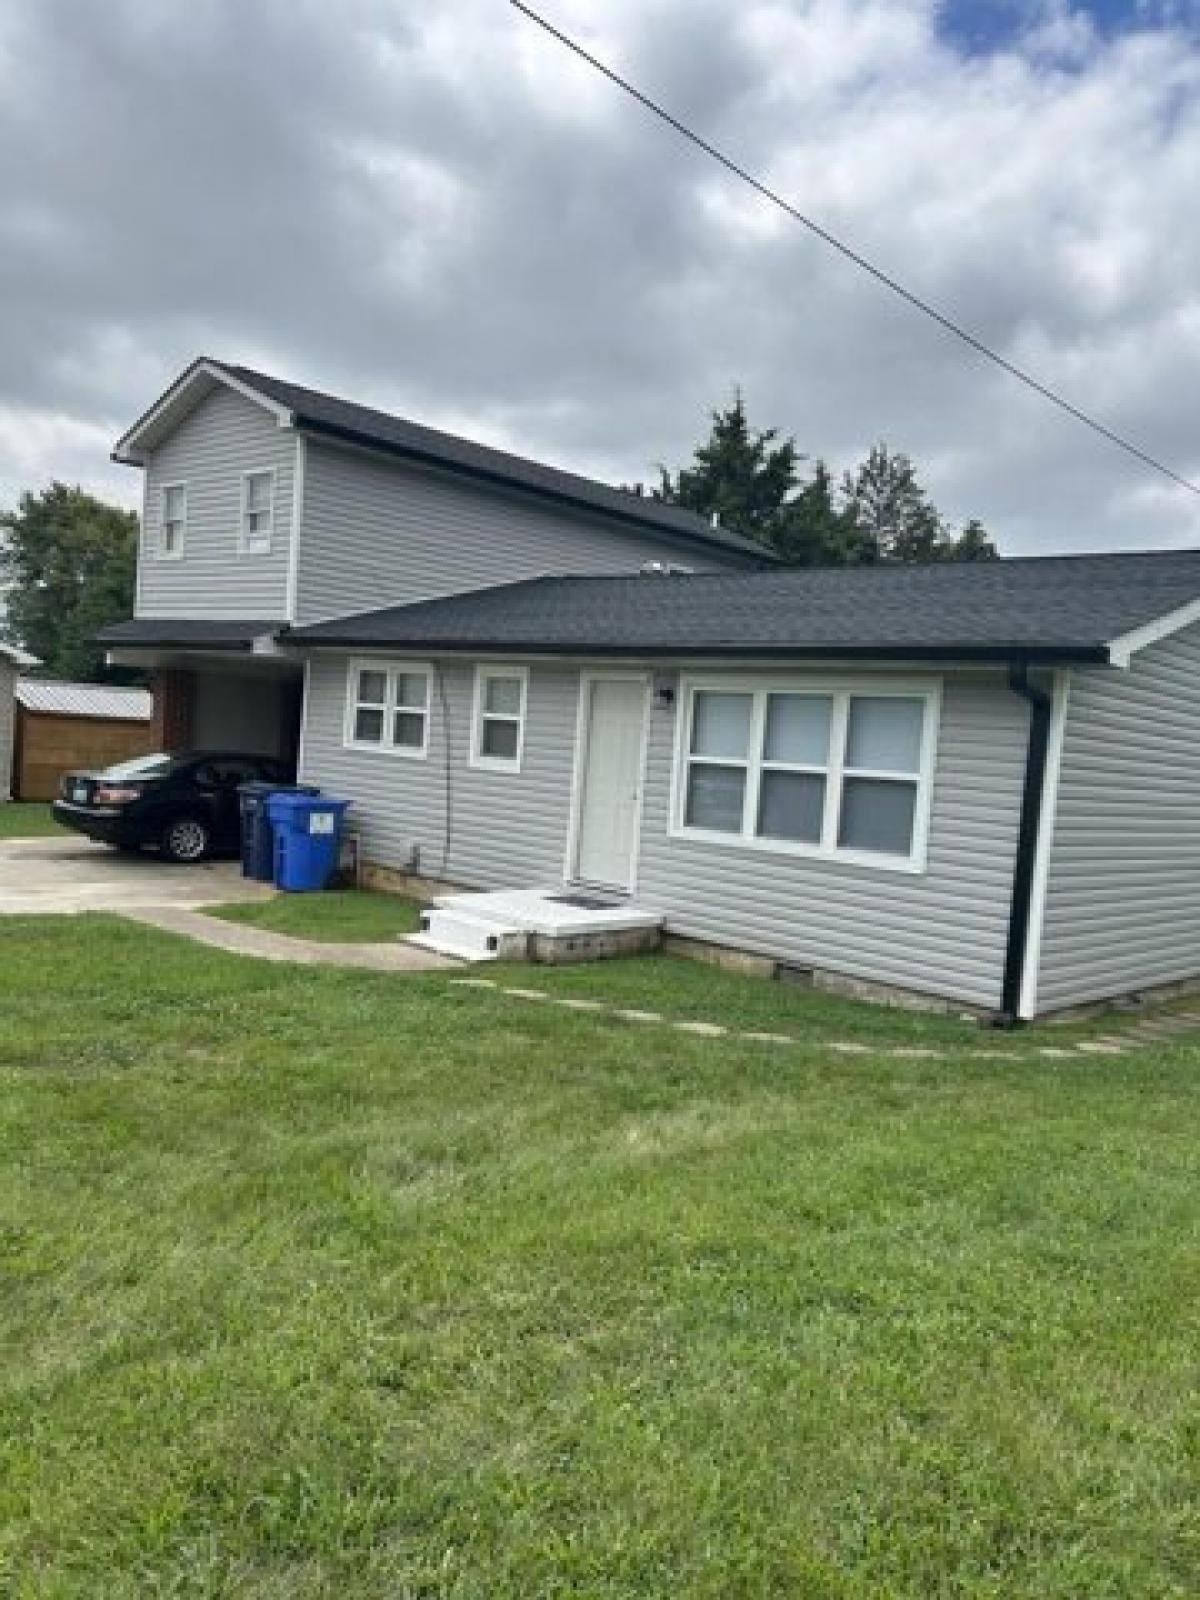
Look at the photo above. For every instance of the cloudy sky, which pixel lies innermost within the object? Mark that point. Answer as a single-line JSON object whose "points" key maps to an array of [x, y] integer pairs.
{"points": [[426, 205]]}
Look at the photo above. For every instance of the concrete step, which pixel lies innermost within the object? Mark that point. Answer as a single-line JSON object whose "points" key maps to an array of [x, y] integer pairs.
{"points": [[467, 937]]}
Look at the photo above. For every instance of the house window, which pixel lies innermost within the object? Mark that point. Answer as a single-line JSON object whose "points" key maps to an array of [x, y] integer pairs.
{"points": [[173, 521], [498, 735], [387, 708], [813, 770], [258, 514]]}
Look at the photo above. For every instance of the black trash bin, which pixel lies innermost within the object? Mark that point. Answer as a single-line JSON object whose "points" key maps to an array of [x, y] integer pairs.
{"points": [[258, 836]]}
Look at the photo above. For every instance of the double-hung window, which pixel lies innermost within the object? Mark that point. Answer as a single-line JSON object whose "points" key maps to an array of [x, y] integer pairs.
{"points": [[387, 708], [498, 734], [811, 769], [172, 521], [258, 512]]}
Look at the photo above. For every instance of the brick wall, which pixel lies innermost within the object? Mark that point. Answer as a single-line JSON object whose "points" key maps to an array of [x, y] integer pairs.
{"points": [[174, 697]]}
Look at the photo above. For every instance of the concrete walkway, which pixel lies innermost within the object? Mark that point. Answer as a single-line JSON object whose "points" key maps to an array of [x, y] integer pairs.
{"points": [[241, 940]]}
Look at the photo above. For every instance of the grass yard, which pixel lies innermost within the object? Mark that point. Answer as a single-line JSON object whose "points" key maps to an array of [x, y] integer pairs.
{"points": [[27, 819], [328, 1283], [336, 916]]}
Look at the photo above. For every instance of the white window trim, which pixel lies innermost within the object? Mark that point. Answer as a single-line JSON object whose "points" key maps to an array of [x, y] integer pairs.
{"points": [[476, 757], [162, 552], [386, 745], [841, 689], [244, 546]]}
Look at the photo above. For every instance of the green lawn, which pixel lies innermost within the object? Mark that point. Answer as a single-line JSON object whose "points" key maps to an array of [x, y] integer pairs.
{"points": [[336, 916], [27, 819], [328, 1283]]}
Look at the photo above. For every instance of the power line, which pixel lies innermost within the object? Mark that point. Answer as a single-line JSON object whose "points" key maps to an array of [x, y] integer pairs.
{"points": [[897, 288]]}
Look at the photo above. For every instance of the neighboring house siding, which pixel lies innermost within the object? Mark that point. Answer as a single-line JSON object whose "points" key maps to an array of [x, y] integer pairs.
{"points": [[8, 679], [940, 932], [483, 829], [379, 533], [1123, 889], [226, 436]]}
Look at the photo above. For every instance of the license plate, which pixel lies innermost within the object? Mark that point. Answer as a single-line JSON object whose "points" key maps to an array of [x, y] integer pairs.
{"points": [[79, 794]]}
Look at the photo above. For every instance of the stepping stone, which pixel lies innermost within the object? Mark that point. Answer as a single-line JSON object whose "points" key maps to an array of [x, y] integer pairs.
{"points": [[475, 983], [706, 1030], [580, 1005], [526, 994], [995, 1055], [770, 1038], [846, 1049], [916, 1052], [629, 1015], [1097, 1047], [1057, 1051]]}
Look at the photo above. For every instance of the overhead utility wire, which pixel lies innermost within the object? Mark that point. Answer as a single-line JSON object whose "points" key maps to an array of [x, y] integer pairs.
{"points": [[885, 278]]}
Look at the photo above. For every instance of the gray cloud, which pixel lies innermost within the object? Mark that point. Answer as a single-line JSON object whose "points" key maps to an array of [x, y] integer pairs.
{"points": [[431, 208]]}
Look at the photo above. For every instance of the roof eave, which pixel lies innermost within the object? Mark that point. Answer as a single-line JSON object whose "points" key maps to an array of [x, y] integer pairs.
{"points": [[999, 654]]}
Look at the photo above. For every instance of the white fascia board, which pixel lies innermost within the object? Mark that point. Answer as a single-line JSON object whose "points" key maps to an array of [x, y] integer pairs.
{"points": [[1122, 649], [128, 448]]}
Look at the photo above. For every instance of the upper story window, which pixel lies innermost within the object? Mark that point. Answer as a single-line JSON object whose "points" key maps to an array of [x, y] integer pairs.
{"points": [[172, 522], [387, 707], [498, 725], [258, 511], [813, 769]]}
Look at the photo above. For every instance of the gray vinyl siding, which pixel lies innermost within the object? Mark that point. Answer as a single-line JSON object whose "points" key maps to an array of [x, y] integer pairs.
{"points": [[224, 437], [940, 932], [8, 679], [484, 829], [1122, 906], [377, 532]]}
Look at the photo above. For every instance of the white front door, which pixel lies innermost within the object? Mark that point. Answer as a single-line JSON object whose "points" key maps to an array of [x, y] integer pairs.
{"points": [[612, 728]]}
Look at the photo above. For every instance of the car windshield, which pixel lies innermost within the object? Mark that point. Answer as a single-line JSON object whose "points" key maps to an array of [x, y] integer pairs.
{"points": [[157, 766]]}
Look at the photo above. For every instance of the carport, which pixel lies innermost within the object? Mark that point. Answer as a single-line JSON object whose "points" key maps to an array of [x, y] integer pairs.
{"points": [[216, 685]]}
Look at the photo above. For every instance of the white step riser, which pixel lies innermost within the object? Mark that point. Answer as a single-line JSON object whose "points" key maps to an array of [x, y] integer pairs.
{"points": [[471, 938]]}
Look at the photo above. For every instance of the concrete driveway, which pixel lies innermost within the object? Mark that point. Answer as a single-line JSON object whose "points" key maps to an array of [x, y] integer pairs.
{"points": [[71, 875]]}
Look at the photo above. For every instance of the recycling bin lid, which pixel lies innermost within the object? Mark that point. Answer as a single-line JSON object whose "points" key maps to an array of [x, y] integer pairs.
{"points": [[306, 800]]}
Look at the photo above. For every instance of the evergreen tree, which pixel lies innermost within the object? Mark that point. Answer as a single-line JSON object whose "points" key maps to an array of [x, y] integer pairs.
{"points": [[68, 562], [749, 479], [895, 520]]}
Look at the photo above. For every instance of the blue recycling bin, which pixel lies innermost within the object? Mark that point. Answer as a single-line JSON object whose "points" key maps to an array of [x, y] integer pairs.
{"points": [[257, 837], [308, 839]]}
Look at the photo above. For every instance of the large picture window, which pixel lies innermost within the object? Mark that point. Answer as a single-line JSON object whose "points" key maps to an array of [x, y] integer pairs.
{"points": [[387, 707], [817, 770]]}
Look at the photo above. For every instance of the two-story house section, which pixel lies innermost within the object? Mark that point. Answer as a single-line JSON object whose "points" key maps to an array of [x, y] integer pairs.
{"points": [[267, 504]]}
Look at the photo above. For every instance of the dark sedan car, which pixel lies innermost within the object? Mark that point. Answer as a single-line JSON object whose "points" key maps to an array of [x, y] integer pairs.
{"points": [[185, 805]]}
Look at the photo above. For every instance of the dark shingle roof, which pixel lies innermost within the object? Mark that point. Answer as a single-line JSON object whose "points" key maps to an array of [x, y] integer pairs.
{"points": [[325, 413], [1056, 607], [195, 634]]}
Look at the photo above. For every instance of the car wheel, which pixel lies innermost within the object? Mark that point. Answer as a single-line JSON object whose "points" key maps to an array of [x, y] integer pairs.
{"points": [[186, 839]]}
